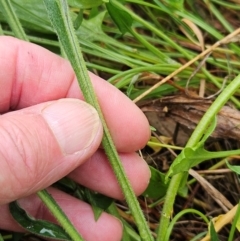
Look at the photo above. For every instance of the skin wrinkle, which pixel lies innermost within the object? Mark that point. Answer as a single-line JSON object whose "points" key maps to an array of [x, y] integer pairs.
{"points": [[20, 150], [4, 76], [42, 167], [96, 178], [46, 81], [71, 83], [39, 167], [10, 187], [30, 172], [16, 81]]}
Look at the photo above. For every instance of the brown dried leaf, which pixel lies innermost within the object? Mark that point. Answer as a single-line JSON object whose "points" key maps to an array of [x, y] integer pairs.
{"points": [[188, 112]]}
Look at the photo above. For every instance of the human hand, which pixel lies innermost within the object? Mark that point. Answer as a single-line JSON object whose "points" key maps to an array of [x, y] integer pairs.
{"points": [[48, 132]]}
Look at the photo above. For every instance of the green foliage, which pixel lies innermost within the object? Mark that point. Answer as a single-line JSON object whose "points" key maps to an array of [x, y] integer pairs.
{"points": [[32, 18], [157, 187], [78, 21], [98, 202], [175, 4], [152, 43], [192, 156], [235, 169], [38, 227], [235, 224], [213, 234], [12, 19], [84, 4], [121, 18]]}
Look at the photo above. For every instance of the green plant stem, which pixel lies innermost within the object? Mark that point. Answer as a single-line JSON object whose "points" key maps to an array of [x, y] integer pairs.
{"points": [[59, 16], [193, 141], [213, 110], [59, 215], [168, 206], [1, 31], [179, 215], [12, 19], [234, 223], [153, 49]]}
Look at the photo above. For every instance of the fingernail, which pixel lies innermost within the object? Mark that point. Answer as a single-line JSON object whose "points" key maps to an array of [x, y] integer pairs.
{"points": [[74, 123]]}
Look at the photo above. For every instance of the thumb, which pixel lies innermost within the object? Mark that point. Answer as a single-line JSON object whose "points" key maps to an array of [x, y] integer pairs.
{"points": [[42, 143]]}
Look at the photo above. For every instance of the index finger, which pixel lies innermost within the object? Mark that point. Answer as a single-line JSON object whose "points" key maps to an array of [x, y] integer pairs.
{"points": [[31, 75]]}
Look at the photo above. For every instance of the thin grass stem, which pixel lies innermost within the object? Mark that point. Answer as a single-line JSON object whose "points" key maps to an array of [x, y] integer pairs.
{"points": [[12, 19]]}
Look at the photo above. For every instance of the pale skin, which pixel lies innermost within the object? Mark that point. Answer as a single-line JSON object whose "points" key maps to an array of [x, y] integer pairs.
{"points": [[39, 93]]}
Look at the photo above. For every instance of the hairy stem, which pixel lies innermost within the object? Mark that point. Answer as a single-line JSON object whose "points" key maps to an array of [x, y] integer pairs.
{"points": [[59, 16]]}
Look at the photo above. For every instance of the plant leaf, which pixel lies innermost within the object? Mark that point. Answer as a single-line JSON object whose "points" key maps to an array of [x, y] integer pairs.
{"points": [[91, 29], [31, 17], [191, 156], [235, 222], [98, 202], [84, 4], [156, 187], [238, 224], [38, 227], [213, 234], [122, 19], [235, 169], [78, 21], [175, 4]]}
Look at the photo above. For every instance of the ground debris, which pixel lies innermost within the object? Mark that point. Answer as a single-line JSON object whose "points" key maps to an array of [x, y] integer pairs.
{"points": [[188, 111]]}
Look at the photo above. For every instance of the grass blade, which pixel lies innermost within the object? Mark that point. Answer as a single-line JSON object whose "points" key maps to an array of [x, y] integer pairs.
{"points": [[12, 19]]}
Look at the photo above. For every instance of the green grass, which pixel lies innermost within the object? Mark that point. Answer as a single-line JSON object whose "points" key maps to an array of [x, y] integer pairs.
{"points": [[135, 46]]}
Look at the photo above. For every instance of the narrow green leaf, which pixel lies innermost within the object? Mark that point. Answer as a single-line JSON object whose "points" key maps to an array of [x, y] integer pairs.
{"points": [[78, 21], [209, 130], [38, 227], [121, 18], [12, 19], [235, 224], [189, 158], [32, 18], [1, 31], [175, 4], [235, 169], [84, 4], [213, 234]]}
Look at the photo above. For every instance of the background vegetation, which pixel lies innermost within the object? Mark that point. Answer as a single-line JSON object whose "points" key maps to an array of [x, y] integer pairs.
{"points": [[138, 45]]}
